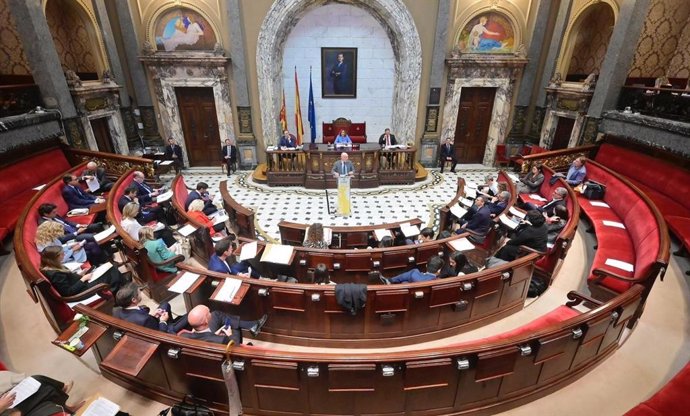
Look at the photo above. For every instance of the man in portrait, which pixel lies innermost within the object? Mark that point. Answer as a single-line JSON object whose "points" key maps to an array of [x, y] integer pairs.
{"points": [[340, 76]]}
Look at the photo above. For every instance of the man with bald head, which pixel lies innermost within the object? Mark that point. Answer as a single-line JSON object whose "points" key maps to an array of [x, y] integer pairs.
{"points": [[343, 167], [219, 327], [93, 171]]}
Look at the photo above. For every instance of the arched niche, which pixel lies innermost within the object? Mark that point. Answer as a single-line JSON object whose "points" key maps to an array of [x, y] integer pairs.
{"points": [[402, 32], [586, 41], [508, 13], [183, 27], [76, 36], [489, 31]]}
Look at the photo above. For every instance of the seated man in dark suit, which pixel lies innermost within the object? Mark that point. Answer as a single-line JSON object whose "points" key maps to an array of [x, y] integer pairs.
{"points": [[201, 193], [73, 231], [223, 261], [287, 141], [146, 214], [387, 139], [128, 299], [219, 327], [74, 196], [433, 269], [557, 198], [145, 192], [229, 155], [174, 152], [499, 203], [532, 232], [93, 171], [479, 219], [447, 155]]}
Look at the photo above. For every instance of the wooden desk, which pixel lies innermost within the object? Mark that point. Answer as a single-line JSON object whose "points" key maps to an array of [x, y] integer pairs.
{"points": [[311, 166]]}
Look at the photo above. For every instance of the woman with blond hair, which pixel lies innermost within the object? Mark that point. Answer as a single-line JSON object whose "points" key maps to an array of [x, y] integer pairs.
{"points": [[156, 249], [68, 283], [196, 213], [130, 224], [315, 237], [48, 235]]}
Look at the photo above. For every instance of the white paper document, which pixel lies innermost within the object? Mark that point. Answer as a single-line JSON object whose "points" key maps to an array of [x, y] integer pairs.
{"points": [[599, 204], [248, 251], [620, 265], [166, 162], [461, 244], [537, 197], [470, 193], [458, 211], [159, 226], [380, 233], [73, 266], [409, 230], [24, 390], [466, 202], [78, 211], [104, 234], [508, 221], [39, 187], [100, 271], [277, 253], [186, 230], [517, 212], [101, 407], [229, 289], [513, 177], [93, 184], [184, 282], [613, 224], [220, 218], [165, 196], [86, 301], [471, 185]]}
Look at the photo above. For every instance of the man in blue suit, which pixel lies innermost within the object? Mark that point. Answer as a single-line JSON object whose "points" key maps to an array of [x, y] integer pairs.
{"points": [[480, 221], [433, 269], [145, 193], [74, 196], [447, 155], [201, 193], [223, 261], [73, 231], [128, 299]]}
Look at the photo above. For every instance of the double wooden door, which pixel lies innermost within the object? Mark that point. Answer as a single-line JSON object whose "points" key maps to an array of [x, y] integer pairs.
{"points": [[199, 125], [472, 128], [101, 132], [564, 129]]}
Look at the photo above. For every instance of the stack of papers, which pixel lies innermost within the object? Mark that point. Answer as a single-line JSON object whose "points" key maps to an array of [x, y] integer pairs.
{"points": [[229, 289], [164, 196], [466, 202], [100, 271], [537, 197], [380, 233], [458, 211], [86, 301], [599, 204], [104, 234], [93, 184], [101, 407], [248, 251], [78, 211], [509, 222], [24, 390], [278, 254], [184, 282], [409, 230], [516, 212], [73, 266], [220, 218], [186, 230], [470, 193], [167, 162], [620, 265], [39, 187], [613, 224], [461, 244], [471, 185]]}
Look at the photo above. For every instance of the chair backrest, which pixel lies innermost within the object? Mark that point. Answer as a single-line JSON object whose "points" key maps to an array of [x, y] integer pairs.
{"points": [[341, 123]]}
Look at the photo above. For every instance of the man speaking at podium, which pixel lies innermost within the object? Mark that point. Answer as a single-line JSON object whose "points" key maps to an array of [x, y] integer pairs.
{"points": [[343, 170]]}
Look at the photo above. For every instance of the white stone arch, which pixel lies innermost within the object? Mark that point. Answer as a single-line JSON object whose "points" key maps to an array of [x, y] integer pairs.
{"points": [[395, 19]]}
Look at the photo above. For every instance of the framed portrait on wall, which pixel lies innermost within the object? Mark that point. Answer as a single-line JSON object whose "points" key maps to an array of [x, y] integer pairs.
{"points": [[339, 72]]}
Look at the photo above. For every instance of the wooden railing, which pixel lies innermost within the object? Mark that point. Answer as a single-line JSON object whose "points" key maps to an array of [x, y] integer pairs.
{"points": [[292, 233], [241, 218], [114, 164], [668, 103], [558, 160]]}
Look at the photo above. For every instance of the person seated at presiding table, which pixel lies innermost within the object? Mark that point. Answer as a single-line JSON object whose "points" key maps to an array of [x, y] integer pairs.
{"points": [[556, 223], [156, 249], [477, 218], [72, 231], [202, 194], [433, 270], [219, 327], [146, 214], [128, 298], [387, 139], [145, 193], [576, 173], [457, 266], [342, 139], [531, 183], [94, 172], [49, 233], [196, 213], [314, 237], [68, 283], [50, 398], [531, 232], [130, 224], [74, 196], [224, 261], [557, 198], [321, 276]]}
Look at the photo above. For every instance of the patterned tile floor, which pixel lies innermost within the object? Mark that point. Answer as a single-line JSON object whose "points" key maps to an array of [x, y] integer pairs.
{"points": [[369, 206]]}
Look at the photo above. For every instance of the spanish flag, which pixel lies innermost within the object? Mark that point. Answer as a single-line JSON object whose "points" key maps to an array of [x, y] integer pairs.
{"points": [[283, 116], [299, 128]]}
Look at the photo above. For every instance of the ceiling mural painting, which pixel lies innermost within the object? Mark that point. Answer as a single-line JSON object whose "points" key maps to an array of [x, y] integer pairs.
{"points": [[181, 28]]}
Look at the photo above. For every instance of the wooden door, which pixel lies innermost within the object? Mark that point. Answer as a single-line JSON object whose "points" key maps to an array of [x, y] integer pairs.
{"points": [[564, 128], [199, 125], [101, 132], [472, 129]]}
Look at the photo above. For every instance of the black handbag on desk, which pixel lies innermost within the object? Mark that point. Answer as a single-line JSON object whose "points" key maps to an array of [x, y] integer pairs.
{"points": [[187, 407], [594, 190]]}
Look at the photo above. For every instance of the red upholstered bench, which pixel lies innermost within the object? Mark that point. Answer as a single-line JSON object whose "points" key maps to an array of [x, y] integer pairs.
{"points": [[545, 191], [672, 399]]}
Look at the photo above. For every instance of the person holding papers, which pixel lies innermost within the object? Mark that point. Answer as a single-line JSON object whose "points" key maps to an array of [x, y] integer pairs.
{"points": [[197, 214], [74, 196], [531, 183], [146, 214], [531, 232], [68, 283], [343, 167], [50, 398], [130, 224], [72, 231], [557, 198], [219, 327], [342, 139], [94, 172], [314, 238], [202, 194], [224, 261], [433, 270], [128, 299], [145, 193], [156, 249]]}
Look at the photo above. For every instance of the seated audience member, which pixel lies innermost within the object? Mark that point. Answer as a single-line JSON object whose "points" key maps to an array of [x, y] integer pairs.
{"points": [[228, 154], [531, 183], [386, 241], [480, 218], [68, 283], [146, 214], [130, 224], [447, 155], [321, 276], [557, 198], [196, 213], [444, 234], [433, 270], [128, 299], [145, 193], [314, 237], [490, 187], [156, 249], [224, 261], [555, 224], [50, 398], [74, 196], [457, 266], [72, 231], [531, 232], [576, 173], [48, 235], [342, 139], [425, 234], [219, 327], [93, 171], [202, 194], [173, 152], [499, 203]]}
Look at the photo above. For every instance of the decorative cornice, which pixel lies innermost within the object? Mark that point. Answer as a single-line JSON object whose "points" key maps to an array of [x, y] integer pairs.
{"points": [[185, 58]]}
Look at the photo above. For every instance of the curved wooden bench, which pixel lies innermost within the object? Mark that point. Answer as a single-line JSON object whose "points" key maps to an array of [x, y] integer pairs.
{"points": [[478, 376], [199, 240], [240, 217], [293, 233]]}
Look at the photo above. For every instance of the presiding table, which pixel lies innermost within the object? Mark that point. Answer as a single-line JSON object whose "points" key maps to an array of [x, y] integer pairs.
{"points": [[311, 166]]}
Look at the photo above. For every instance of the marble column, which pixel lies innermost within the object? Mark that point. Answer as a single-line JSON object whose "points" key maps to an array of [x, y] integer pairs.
{"points": [[530, 76], [116, 71], [137, 74], [40, 52], [430, 140]]}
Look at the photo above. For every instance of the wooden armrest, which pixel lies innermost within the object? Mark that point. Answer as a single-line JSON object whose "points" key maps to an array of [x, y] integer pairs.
{"points": [[576, 298], [600, 274], [85, 294], [527, 250], [171, 260], [473, 233]]}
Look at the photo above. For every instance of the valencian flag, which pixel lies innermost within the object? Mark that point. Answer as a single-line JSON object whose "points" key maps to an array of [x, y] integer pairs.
{"points": [[299, 128], [311, 114], [283, 116]]}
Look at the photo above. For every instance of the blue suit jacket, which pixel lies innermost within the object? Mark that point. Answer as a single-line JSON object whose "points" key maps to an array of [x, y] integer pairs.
{"points": [[413, 275], [480, 221], [76, 198], [143, 192], [446, 151], [141, 317], [285, 142], [496, 208], [217, 265]]}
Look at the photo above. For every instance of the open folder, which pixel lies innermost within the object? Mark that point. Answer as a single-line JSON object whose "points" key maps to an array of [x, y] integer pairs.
{"points": [[278, 254]]}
